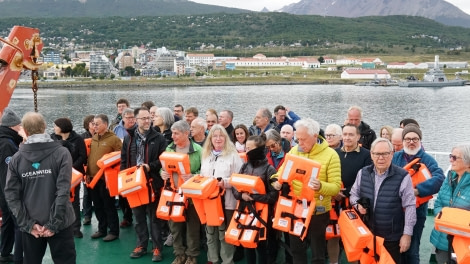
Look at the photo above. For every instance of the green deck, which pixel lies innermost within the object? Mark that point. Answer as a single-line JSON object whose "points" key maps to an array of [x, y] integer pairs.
{"points": [[96, 251]]}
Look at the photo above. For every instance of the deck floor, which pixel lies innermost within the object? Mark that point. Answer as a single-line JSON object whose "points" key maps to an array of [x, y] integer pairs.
{"points": [[96, 251]]}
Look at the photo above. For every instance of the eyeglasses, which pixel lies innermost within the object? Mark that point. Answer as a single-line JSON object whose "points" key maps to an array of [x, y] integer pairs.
{"points": [[272, 146], [408, 140], [381, 154], [453, 157], [144, 118], [330, 135], [128, 117]]}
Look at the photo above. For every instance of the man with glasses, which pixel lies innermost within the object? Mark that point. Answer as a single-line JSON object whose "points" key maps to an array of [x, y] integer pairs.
{"points": [[126, 125], [143, 147], [412, 149], [103, 142], [385, 194], [333, 135], [283, 116], [178, 110]]}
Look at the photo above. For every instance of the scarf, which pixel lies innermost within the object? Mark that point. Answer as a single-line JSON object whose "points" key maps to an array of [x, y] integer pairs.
{"points": [[256, 154], [140, 143], [39, 138]]}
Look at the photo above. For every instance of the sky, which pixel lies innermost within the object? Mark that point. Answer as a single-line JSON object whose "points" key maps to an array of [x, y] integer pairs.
{"points": [[257, 5]]}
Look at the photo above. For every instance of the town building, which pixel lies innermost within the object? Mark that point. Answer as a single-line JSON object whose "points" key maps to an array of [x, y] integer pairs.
{"points": [[357, 73]]}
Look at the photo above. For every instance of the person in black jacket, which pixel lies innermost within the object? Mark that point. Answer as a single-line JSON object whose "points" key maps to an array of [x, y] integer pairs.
{"points": [[63, 131], [37, 191], [9, 144], [143, 148], [257, 165], [367, 134]]}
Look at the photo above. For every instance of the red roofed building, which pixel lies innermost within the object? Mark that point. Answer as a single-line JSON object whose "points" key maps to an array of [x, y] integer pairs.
{"points": [[355, 73]]}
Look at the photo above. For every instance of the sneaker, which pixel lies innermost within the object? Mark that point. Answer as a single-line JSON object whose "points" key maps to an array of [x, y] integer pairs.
{"points": [[87, 221], [110, 237], [180, 259], [191, 260], [78, 234], [157, 255], [169, 241], [138, 252], [98, 234], [125, 224]]}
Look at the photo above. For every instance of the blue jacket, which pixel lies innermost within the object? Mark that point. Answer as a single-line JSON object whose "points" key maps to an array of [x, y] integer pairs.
{"points": [[290, 119], [459, 198], [430, 186]]}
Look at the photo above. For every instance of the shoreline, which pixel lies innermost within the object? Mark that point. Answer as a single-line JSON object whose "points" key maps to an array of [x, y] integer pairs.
{"points": [[145, 83]]}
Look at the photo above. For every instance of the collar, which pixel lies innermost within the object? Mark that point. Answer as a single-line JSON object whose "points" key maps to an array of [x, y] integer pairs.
{"points": [[357, 149]]}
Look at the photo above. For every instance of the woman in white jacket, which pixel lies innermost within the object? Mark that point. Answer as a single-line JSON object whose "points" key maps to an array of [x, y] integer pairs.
{"points": [[220, 159]]}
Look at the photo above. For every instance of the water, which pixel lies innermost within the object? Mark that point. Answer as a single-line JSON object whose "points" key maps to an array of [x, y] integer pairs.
{"points": [[442, 113]]}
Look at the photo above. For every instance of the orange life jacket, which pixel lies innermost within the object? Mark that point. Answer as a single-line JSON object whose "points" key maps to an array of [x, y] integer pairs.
{"points": [[107, 161], [248, 224], [243, 156], [174, 162], [88, 145], [132, 184], [376, 254], [461, 249], [77, 177], [419, 173], [172, 204], [354, 234], [453, 221], [247, 183], [332, 230], [206, 197], [111, 177]]}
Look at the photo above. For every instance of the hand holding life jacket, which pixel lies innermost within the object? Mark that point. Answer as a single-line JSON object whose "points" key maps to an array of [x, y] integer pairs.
{"points": [[175, 163], [294, 210], [133, 184], [419, 173], [106, 162]]}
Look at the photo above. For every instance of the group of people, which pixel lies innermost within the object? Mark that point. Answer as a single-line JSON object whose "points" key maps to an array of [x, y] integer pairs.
{"points": [[358, 169]]}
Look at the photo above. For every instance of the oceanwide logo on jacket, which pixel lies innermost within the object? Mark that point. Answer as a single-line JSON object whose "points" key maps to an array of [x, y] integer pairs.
{"points": [[36, 173]]}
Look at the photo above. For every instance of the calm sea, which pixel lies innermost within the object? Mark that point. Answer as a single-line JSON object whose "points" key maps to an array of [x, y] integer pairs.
{"points": [[442, 113]]}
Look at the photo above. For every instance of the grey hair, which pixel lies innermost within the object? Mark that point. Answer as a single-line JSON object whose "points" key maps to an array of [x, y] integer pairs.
{"points": [[335, 127], [272, 134], [266, 113], [181, 126], [356, 107], [201, 122], [465, 149], [167, 116], [312, 126], [381, 139], [127, 111]]}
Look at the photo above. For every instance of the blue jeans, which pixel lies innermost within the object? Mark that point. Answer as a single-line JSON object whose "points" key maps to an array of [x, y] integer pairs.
{"points": [[412, 255]]}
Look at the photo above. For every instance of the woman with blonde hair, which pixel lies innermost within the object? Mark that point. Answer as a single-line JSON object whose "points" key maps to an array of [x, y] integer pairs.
{"points": [[220, 160]]}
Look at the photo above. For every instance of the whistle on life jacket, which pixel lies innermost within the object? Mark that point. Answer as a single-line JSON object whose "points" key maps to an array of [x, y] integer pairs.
{"points": [[419, 173]]}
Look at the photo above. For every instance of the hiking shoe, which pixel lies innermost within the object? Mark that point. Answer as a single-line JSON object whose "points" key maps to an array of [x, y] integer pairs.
{"points": [[110, 237], [138, 252], [98, 234], [125, 224], [87, 221], [169, 241], [191, 260], [157, 255], [180, 259]]}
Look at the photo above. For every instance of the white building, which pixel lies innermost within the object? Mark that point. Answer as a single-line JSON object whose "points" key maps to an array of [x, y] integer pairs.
{"points": [[199, 59], [407, 65], [355, 73]]}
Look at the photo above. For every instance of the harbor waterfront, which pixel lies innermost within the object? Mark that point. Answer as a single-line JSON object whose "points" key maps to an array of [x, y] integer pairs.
{"points": [[442, 113]]}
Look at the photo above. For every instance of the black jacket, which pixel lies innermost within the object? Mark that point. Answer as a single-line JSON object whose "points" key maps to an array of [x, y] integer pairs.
{"points": [[76, 145], [154, 146], [367, 135], [38, 186], [9, 144]]}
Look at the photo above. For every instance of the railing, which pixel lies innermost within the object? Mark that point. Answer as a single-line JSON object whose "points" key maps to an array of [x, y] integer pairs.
{"points": [[442, 159]]}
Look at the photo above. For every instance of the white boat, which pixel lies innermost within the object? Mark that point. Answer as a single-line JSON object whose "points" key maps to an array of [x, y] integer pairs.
{"points": [[433, 78]]}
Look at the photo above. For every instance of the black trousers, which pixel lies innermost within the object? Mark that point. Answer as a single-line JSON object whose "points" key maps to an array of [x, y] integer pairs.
{"points": [[76, 209], [61, 245], [105, 210], [10, 234], [126, 209]]}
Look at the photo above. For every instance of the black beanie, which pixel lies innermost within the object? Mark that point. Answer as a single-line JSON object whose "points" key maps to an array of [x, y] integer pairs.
{"points": [[64, 124]]}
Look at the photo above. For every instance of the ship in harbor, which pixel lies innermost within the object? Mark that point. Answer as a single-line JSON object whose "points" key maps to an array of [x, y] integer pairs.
{"points": [[434, 77]]}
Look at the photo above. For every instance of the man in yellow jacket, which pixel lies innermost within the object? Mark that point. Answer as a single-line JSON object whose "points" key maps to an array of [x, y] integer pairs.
{"points": [[315, 147]]}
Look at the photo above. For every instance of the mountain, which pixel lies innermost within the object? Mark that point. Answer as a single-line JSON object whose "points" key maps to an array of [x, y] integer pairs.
{"points": [[437, 10], [106, 8]]}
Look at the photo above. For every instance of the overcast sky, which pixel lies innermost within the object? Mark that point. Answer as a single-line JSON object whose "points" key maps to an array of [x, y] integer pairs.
{"points": [[257, 5]]}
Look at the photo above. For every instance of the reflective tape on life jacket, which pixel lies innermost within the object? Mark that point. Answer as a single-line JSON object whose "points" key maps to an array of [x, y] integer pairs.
{"points": [[453, 221], [132, 184], [248, 224], [109, 159], [332, 230], [354, 230], [419, 173], [301, 169], [172, 206], [111, 178], [199, 187], [461, 247], [210, 209], [293, 215], [77, 178], [247, 183], [174, 162], [88, 145]]}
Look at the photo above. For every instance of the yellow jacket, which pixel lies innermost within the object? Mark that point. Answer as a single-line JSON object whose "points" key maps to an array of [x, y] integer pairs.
{"points": [[330, 173]]}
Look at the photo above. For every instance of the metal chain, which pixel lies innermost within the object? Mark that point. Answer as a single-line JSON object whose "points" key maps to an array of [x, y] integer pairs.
{"points": [[34, 78]]}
